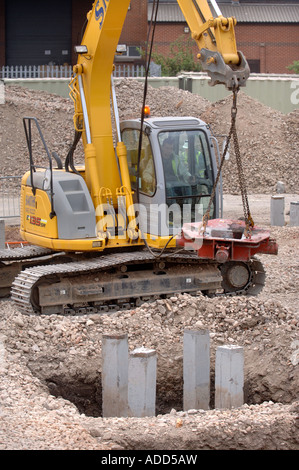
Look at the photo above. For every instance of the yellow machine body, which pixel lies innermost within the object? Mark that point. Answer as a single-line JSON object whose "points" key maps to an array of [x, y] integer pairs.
{"points": [[106, 173]]}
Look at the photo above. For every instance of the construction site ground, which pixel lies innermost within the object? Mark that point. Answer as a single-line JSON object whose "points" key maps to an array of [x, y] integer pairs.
{"points": [[50, 366]]}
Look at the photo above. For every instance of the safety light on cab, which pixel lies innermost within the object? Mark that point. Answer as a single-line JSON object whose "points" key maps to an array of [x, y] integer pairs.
{"points": [[147, 111]]}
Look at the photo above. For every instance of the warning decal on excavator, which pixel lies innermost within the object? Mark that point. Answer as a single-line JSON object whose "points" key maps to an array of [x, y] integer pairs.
{"points": [[30, 201], [36, 221]]}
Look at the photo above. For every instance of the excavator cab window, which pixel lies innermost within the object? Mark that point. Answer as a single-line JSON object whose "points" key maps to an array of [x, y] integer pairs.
{"points": [[187, 170], [147, 175]]}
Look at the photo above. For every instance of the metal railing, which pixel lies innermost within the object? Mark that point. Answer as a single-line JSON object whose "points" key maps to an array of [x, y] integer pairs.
{"points": [[10, 190], [28, 122], [137, 70], [65, 71], [36, 71], [124, 70]]}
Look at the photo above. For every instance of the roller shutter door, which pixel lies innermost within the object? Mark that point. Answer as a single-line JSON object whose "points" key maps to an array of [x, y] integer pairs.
{"points": [[38, 32]]}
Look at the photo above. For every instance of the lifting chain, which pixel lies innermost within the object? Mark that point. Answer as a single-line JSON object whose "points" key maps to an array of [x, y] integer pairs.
{"points": [[233, 133]]}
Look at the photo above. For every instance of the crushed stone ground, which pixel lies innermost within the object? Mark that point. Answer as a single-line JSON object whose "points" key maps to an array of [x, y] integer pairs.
{"points": [[50, 366]]}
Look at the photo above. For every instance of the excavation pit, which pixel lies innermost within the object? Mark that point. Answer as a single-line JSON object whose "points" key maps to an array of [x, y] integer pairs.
{"points": [[86, 394], [71, 364]]}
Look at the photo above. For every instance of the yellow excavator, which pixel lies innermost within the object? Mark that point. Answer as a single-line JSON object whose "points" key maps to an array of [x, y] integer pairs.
{"points": [[142, 217]]}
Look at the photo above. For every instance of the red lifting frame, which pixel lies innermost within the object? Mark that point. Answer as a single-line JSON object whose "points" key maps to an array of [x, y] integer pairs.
{"points": [[224, 240]]}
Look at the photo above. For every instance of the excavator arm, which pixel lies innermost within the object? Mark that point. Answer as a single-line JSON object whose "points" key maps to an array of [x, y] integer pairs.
{"points": [[215, 37], [91, 95]]}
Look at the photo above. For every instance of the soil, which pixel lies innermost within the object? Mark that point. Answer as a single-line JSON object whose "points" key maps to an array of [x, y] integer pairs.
{"points": [[269, 139], [50, 366]]}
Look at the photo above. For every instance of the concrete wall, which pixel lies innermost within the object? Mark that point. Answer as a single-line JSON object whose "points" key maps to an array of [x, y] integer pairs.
{"points": [[281, 92], [58, 86]]}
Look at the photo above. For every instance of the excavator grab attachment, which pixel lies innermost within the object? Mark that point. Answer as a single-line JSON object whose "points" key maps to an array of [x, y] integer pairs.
{"points": [[215, 37], [232, 76]]}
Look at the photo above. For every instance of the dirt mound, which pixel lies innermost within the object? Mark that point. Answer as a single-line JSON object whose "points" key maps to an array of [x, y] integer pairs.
{"points": [[50, 369], [269, 143], [54, 115], [163, 101], [268, 139]]}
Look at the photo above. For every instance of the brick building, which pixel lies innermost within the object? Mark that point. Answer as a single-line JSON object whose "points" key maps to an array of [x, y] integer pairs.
{"points": [[267, 31], [38, 33]]}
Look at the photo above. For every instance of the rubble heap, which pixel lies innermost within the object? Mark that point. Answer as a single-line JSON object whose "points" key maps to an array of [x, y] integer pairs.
{"points": [[269, 139]]}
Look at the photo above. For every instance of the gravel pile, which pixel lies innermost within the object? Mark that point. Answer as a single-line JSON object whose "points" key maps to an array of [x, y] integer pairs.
{"points": [[268, 139], [54, 115], [269, 143], [50, 368], [163, 101]]}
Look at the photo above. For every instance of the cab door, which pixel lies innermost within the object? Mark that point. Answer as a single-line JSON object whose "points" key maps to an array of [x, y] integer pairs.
{"points": [[147, 182]]}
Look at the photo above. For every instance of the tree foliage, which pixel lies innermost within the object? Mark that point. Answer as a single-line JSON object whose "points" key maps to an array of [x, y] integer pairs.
{"points": [[294, 66], [180, 58]]}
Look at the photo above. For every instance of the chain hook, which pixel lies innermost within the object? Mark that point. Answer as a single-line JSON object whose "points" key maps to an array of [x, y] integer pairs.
{"points": [[233, 133]]}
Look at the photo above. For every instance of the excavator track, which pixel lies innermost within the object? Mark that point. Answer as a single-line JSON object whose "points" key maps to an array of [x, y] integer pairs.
{"points": [[240, 278], [12, 261], [22, 253], [15, 260], [123, 281], [24, 287]]}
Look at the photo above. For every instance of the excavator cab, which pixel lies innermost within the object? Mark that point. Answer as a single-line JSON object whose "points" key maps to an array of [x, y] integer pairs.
{"points": [[174, 174]]}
